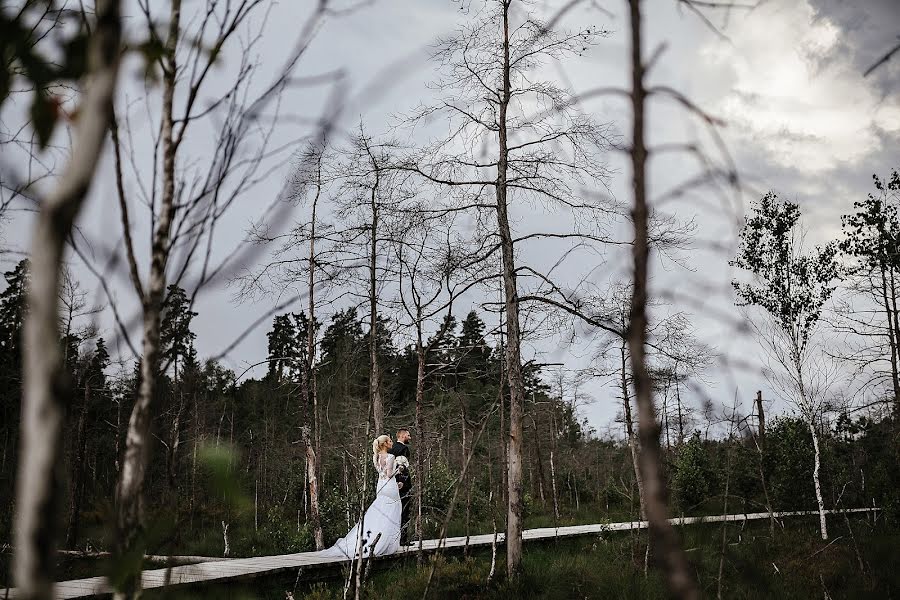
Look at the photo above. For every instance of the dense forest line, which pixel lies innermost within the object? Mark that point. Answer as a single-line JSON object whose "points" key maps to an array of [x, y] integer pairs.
{"points": [[229, 471]]}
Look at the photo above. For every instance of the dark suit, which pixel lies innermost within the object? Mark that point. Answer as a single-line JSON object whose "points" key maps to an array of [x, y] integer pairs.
{"points": [[403, 476], [399, 449]]}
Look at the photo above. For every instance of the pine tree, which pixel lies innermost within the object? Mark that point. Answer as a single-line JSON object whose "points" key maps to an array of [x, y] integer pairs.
{"points": [[474, 352], [12, 317], [175, 329], [283, 350], [12, 313]]}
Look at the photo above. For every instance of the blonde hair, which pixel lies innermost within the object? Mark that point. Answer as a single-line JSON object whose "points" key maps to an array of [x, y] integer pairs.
{"points": [[380, 443]]}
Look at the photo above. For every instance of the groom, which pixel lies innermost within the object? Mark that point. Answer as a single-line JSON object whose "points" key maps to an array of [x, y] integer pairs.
{"points": [[404, 481]]}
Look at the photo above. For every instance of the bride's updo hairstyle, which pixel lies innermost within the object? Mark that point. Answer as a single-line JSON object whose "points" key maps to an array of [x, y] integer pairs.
{"points": [[382, 442]]}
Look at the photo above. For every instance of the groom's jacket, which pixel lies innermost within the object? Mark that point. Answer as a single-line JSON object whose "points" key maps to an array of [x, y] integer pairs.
{"points": [[399, 449]]}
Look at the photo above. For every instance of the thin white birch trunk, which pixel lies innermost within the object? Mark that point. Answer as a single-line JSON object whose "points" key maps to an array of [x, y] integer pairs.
{"points": [[823, 525]]}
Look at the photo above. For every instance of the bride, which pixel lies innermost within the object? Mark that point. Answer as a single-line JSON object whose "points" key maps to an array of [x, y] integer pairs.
{"points": [[383, 515]]}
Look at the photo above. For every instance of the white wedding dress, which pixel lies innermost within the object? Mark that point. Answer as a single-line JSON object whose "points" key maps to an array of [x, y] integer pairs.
{"points": [[382, 517]]}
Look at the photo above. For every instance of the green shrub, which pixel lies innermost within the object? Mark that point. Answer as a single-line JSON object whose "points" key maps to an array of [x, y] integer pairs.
{"points": [[693, 477]]}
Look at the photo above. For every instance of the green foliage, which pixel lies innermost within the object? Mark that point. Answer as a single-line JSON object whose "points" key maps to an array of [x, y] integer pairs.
{"points": [[694, 476], [333, 507], [281, 534], [220, 466], [790, 286], [437, 491], [872, 233], [175, 333], [611, 566], [789, 463], [12, 318]]}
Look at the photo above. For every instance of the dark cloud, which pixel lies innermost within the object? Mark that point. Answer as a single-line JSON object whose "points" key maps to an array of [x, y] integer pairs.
{"points": [[868, 30]]}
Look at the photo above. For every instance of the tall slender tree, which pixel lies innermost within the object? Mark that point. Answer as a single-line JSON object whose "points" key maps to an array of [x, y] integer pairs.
{"points": [[522, 139], [791, 286], [871, 244]]}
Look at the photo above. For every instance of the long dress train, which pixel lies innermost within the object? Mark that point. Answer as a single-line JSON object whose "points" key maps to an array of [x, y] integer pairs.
{"points": [[382, 517]]}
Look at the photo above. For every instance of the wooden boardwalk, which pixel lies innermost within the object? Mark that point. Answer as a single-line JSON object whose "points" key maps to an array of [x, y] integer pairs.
{"points": [[223, 570]]}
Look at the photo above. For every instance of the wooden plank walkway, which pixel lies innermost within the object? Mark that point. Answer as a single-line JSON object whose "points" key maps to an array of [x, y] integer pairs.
{"points": [[223, 570]]}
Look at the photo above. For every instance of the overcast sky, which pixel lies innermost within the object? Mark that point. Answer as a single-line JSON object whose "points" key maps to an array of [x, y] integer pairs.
{"points": [[786, 77]]}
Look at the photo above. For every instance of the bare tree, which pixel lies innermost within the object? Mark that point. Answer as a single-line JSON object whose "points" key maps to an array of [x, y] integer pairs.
{"points": [[670, 347], [45, 386], [516, 137], [681, 582], [368, 198], [679, 358], [313, 483], [435, 266], [185, 200]]}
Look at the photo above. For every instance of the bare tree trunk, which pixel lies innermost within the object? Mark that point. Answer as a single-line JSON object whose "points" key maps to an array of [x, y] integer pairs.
{"points": [[44, 381], [368, 566], [894, 339], [374, 368], [724, 523], [346, 489], [553, 464], [313, 484], [761, 417], [130, 489], [173, 454], [541, 480], [420, 432], [630, 433], [675, 565], [514, 518], [227, 550], [468, 484], [77, 469], [504, 449], [360, 539], [197, 442], [493, 569], [665, 417], [680, 412], [760, 441], [311, 333]]}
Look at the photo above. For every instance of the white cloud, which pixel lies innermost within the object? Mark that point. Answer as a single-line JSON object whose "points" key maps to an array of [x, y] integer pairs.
{"points": [[783, 101]]}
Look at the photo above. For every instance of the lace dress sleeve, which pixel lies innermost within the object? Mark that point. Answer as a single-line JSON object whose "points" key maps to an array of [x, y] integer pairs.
{"points": [[386, 466]]}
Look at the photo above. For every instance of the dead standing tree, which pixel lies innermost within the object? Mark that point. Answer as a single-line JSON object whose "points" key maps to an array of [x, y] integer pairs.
{"points": [[45, 389], [518, 138], [668, 342], [368, 198], [679, 358], [185, 199], [435, 267]]}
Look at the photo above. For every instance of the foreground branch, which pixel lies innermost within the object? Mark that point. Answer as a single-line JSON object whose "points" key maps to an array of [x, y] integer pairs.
{"points": [[45, 389]]}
